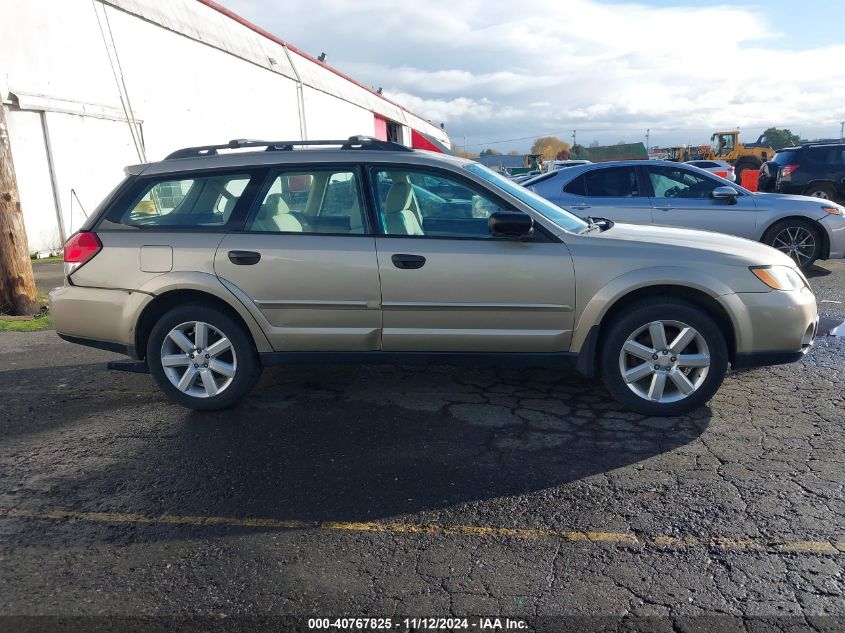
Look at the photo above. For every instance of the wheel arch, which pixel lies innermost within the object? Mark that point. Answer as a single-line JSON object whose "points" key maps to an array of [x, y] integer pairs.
{"points": [[825, 253], [172, 291], [602, 310]]}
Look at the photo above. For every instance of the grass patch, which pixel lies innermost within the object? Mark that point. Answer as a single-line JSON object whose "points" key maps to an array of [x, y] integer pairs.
{"points": [[47, 260], [43, 322]]}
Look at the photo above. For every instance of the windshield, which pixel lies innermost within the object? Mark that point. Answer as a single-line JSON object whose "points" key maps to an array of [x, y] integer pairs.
{"points": [[554, 213]]}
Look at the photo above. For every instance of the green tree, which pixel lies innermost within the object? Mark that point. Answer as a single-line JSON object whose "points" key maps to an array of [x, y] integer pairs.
{"points": [[778, 139], [491, 152]]}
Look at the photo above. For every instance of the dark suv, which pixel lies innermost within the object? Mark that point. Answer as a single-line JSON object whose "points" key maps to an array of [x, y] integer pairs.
{"points": [[814, 169]]}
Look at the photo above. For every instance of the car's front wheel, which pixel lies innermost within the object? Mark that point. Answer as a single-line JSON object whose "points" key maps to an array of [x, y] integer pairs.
{"points": [[202, 358], [663, 357], [799, 239]]}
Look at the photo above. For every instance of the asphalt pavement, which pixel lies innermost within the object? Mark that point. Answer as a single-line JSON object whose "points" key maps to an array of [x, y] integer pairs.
{"points": [[385, 491]]}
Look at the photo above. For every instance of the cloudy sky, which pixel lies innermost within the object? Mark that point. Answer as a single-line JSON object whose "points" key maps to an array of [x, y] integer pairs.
{"points": [[500, 73]]}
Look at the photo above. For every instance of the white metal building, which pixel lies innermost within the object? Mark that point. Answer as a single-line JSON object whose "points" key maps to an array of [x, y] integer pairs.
{"points": [[90, 86]]}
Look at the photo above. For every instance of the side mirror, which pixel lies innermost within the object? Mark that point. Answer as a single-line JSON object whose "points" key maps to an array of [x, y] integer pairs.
{"points": [[508, 224], [728, 194]]}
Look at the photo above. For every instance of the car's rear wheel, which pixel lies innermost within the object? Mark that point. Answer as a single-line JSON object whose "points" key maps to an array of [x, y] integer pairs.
{"points": [[663, 358], [825, 192], [799, 239], [202, 358]]}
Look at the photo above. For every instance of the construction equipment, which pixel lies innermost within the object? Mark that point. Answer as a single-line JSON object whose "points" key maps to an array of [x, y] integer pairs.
{"points": [[679, 153], [531, 162], [727, 146]]}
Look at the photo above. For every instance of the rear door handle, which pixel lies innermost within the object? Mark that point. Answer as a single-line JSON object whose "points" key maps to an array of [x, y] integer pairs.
{"points": [[407, 262], [244, 258]]}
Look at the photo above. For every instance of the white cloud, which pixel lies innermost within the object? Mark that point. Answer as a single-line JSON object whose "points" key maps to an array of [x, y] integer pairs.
{"points": [[508, 70]]}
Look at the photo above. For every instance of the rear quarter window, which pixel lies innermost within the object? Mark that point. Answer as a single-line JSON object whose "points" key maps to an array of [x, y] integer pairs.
{"points": [[179, 202], [576, 187], [784, 158]]}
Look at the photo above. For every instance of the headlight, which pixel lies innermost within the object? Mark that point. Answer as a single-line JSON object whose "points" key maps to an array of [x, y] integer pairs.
{"points": [[834, 209], [779, 277]]}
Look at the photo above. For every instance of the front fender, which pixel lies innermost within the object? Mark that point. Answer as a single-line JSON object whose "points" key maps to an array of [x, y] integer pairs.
{"points": [[601, 301]]}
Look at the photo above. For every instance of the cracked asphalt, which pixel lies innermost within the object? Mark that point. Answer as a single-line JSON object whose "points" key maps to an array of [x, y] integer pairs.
{"points": [[343, 491]]}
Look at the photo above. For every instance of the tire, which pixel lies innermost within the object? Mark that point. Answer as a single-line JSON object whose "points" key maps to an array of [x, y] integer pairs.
{"points": [[826, 192], [706, 345], [741, 167], [800, 239], [223, 373]]}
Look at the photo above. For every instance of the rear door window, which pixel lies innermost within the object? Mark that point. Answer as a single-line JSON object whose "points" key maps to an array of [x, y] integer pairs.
{"points": [[311, 201], [613, 182], [180, 202]]}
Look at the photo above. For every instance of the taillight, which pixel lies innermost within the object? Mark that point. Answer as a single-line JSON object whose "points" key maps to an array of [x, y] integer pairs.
{"points": [[81, 247], [788, 169]]}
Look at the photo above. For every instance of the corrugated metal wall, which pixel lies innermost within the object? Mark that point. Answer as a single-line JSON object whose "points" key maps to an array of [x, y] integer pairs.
{"points": [[91, 86]]}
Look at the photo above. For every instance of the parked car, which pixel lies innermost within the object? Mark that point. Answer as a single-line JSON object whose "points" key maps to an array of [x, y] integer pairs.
{"points": [[671, 194], [521, 178], [563, 164], [814, 169], [720, 168], [210, 265]]}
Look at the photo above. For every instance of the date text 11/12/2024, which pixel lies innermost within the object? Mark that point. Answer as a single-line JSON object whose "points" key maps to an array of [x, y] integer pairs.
{"points": [[420, 623]]}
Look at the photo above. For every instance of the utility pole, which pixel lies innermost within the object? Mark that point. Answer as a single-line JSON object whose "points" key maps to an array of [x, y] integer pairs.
{"points": [[842, 131], [574, 139], [647, 131], [17, 283]]}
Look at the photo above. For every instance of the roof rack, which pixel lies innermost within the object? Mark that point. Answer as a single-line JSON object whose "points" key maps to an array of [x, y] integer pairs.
{"points": [[353, 142], [831, 141]]}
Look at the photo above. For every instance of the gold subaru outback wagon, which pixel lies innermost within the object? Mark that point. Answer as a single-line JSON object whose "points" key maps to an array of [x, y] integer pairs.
{"points": [[212, 264]]}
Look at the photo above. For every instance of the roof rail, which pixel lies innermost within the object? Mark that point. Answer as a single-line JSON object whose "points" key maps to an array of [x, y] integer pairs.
{"points": [[831, 141], [353, 142]]}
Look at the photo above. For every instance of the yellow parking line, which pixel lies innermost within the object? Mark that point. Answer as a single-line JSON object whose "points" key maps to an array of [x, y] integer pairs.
{"points": [[572, 536], [818, 547]]}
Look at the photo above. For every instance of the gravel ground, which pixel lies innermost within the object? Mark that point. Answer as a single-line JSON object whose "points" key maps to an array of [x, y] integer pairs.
{"points": [[380, 491]]}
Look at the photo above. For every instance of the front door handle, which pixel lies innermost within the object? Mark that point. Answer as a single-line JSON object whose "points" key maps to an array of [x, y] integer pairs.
{"points": [[580, 206], [408, 262], [665, 207], [244, 258]]}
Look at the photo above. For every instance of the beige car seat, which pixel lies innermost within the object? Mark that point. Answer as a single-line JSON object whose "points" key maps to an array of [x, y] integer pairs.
{"points": [[275, 216], [398, 210]]}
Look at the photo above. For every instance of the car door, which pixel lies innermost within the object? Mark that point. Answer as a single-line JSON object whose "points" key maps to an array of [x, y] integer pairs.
{"points": [[682, 197], [608, 192], [448, 285], [306, 258]]}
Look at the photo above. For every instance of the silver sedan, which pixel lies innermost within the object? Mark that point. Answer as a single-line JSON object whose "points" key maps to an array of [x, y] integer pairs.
{"points": [[671, 194]]}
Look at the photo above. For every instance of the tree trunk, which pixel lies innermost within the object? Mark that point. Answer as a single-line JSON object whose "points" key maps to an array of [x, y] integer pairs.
{"points": [[17, 283]]}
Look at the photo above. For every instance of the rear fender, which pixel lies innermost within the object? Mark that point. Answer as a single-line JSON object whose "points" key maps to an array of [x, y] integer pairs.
{"points": [[211, 285]]}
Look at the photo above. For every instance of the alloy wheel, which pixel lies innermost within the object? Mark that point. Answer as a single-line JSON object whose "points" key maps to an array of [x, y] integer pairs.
{"points": [[198, 359], [821, 193], [797, 242], [664, 361]]}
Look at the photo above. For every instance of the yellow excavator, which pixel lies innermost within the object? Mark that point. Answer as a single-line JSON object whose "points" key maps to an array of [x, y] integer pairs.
{"points": [[727, 146]]}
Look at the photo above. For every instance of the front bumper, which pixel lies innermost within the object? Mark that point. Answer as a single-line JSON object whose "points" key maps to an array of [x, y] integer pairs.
{"points": [[772, 327], [835, 227]]}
